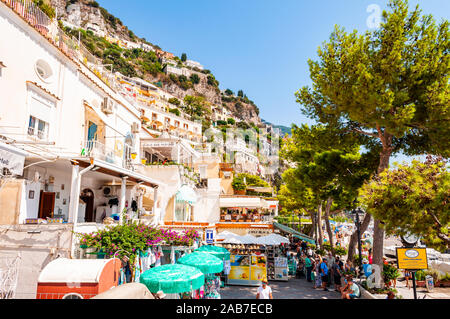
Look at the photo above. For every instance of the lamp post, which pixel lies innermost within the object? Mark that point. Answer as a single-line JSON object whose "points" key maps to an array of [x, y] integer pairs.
{"points": [[358, 230]]}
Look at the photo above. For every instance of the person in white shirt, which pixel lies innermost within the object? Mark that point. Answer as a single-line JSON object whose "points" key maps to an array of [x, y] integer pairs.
{"points": [[264, 291]]}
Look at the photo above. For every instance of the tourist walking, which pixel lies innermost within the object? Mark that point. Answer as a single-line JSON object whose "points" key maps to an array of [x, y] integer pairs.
{"points": [[324, 273], [264, 291], [309, 268]]}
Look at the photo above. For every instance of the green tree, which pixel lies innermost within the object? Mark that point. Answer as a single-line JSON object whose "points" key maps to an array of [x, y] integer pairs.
{"points": [[329, 170], [183, 57], [229, 92], [240, 93], [390, 85], [174, 101], [196, 105], [413, 199], [231, 121], [195, 79]]}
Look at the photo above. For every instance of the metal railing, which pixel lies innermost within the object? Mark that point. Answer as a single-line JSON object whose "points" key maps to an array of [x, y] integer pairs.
{"points": [[118, 156]]}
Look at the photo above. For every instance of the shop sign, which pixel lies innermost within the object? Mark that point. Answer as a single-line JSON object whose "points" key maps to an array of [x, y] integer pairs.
{"points": [[209, 236], [12, 160], [412, 258], [259, 232]]}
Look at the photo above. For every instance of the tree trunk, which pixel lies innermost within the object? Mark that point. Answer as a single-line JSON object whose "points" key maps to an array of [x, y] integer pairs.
{"points": [[313, 225], [327, 224], [354, 238], [319, 225], [378, 232]]}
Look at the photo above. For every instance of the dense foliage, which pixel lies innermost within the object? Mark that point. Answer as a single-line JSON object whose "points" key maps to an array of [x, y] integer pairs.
{"points": [[413, 199], [129, 238]]}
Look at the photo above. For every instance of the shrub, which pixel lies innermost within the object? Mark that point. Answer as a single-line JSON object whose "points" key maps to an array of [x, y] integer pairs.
{"points": [[390, 273]]}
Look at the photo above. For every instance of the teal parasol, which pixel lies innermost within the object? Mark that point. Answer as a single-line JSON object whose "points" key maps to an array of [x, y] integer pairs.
{"points": [[207, 263], [173, 279], [219, 252]]}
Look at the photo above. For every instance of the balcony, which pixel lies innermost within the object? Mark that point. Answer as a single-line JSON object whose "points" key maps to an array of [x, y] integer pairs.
{"points": [[119, 156]]}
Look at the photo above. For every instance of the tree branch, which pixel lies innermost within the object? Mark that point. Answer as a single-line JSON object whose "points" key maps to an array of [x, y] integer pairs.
{"points": [[364, 132]]}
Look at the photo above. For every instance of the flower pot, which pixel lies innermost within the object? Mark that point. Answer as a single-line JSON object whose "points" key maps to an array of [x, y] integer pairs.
{"points": [[239, 192], [421, 283]]}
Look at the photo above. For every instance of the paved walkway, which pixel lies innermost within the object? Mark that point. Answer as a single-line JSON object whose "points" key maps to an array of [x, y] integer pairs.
{"points": [[292, 289]]}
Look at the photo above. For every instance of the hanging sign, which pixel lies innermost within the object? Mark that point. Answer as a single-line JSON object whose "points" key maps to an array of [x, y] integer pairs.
{"points": [[12, 159], [412, 258]]}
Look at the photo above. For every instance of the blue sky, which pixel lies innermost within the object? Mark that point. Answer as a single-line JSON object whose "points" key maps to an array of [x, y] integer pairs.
{"points": [[259, 46]]}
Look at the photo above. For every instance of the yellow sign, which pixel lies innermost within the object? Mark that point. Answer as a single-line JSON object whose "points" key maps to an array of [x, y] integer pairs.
{"points": [[412, 258], [239, 273], [258, 273]]}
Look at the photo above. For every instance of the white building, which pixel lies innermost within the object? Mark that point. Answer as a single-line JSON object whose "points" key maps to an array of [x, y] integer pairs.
{"points": [[194, 64], [79, 133]]}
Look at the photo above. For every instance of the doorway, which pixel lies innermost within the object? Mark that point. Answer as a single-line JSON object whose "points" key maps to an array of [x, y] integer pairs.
{"points": [[46, 205], [87, 196]]}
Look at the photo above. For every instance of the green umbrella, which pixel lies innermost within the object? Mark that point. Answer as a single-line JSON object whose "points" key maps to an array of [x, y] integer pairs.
{"points": [[173, 279], [207, 263], [219, 252]]}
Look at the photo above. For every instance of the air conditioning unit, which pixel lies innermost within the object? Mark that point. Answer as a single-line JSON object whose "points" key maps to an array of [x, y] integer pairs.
{"points": [[108, 106], [110, 191], [135, 127]]}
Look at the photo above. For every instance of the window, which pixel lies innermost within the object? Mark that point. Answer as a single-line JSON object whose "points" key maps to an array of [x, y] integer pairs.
{"points": [[44, 71], [37, 128]]}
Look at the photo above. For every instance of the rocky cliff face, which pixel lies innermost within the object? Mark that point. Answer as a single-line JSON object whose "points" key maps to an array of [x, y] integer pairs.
{"points": [[84, 14]]}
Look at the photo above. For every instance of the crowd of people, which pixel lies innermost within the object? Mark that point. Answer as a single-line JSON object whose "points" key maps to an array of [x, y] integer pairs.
{"points": [[326, 272]]}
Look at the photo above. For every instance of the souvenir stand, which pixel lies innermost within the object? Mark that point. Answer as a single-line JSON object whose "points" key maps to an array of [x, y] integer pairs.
{"points": [[221, 253], [178, 281], [248, 260], [210, 266], [277, 262]]}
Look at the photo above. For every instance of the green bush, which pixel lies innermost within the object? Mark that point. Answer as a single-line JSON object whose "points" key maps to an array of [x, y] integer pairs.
{"points": [[390, 273]]}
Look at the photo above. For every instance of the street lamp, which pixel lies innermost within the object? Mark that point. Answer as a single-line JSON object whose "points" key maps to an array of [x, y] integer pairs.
{"points": [[358, 230]]}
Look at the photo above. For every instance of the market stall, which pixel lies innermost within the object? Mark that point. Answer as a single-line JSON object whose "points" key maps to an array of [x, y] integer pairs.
{"points": [[248, 261], [211, 266], [277, 261], [182, 281]]}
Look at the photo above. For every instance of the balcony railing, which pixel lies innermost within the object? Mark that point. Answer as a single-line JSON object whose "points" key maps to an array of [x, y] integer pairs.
{"points": [[118, 156], [42, 135]]}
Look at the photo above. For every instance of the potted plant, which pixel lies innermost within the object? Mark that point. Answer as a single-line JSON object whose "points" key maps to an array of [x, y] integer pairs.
{"points": [[239, 187], [390, 273], [420, 278]]}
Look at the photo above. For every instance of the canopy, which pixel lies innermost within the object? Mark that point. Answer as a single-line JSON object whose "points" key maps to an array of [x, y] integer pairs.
{"points": [[295, 233], [273, 239], [186, 194], [207, 263], [219, 252], [173, 279], [62, 270]]}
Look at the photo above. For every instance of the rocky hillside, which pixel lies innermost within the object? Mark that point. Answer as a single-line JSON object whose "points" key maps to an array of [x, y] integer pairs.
{"points": [[146, 65]]}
